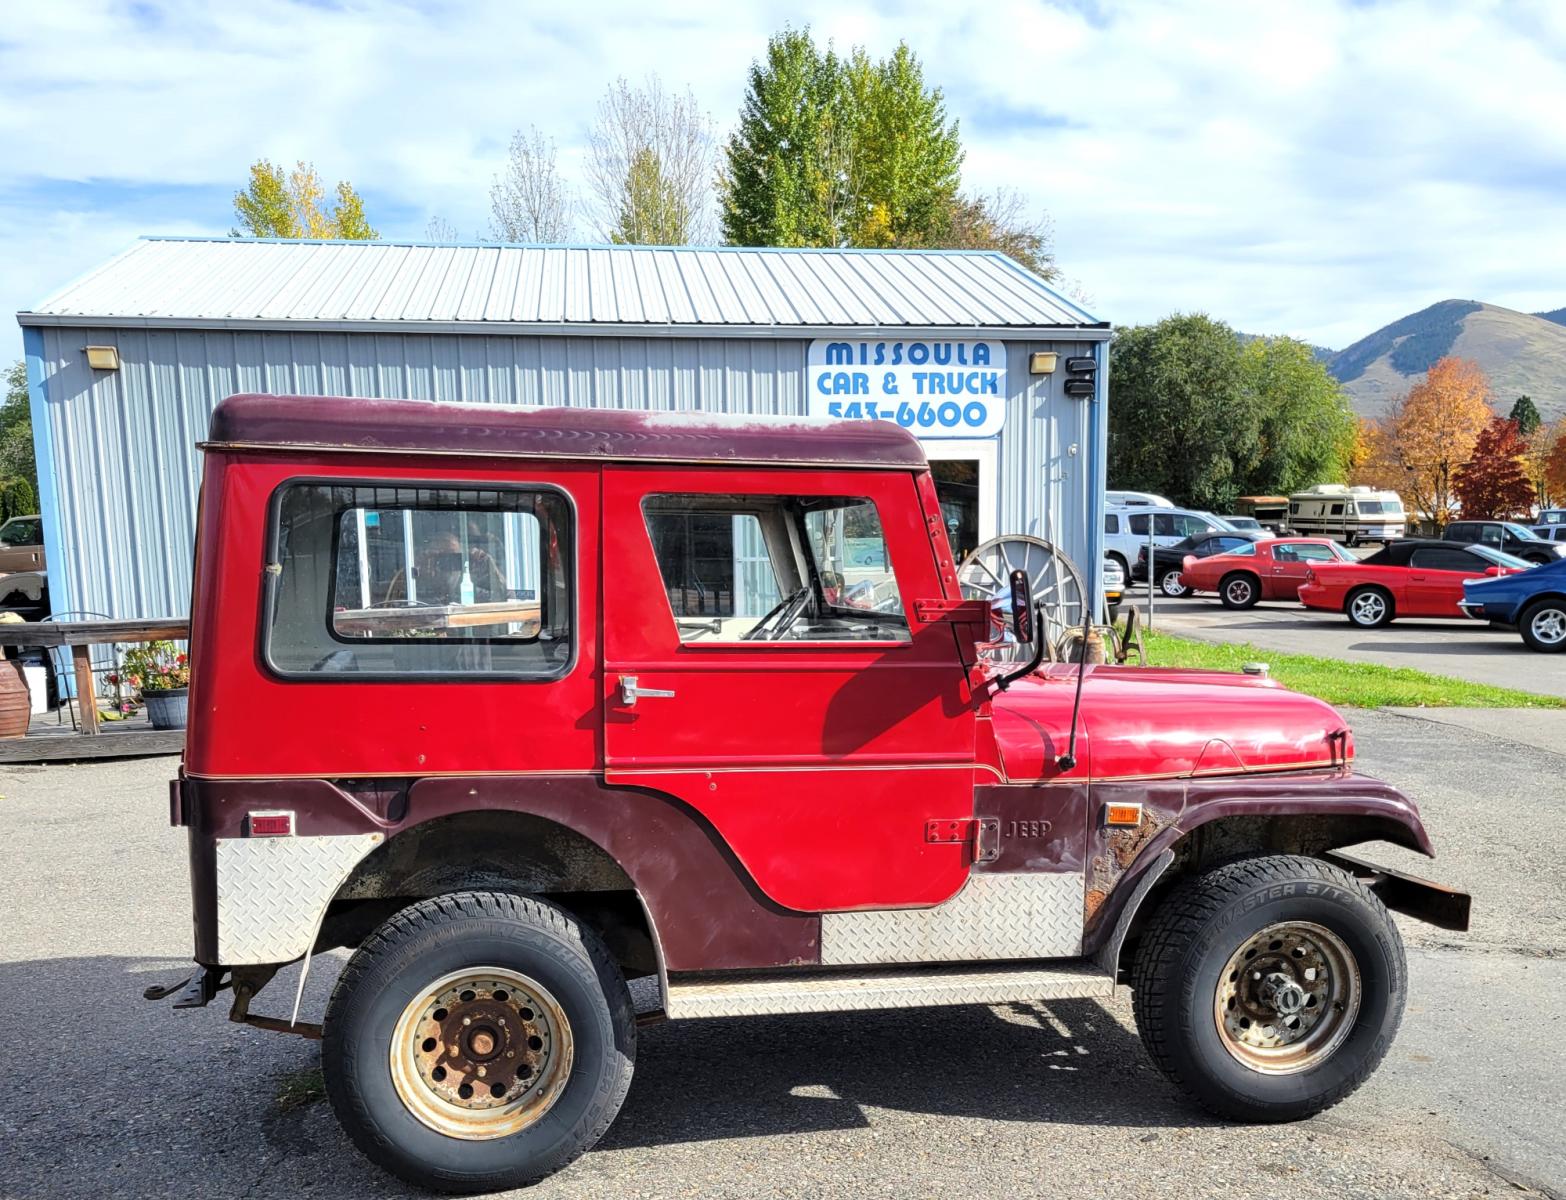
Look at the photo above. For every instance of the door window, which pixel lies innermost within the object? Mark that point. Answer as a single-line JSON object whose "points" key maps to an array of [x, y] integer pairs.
{"points": [[1308, 552], [399, 581], [1337, 510], [1164, 526], [19, 533], [1138, 523], [775, 568]]}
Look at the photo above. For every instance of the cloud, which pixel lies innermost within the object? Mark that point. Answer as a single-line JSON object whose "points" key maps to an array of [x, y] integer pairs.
{"points": [[1313, 168]]}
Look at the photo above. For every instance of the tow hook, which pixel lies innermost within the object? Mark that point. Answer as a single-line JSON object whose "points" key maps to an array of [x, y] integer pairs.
{"points": [[194, 991]]}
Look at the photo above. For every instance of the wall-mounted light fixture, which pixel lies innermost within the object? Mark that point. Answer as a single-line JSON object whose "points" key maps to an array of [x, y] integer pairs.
{"points": [[103, 358], [1042, 362]]}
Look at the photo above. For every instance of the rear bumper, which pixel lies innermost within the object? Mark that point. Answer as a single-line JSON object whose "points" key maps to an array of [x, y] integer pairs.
{"points": [[1472, 608], [1316, 596]]}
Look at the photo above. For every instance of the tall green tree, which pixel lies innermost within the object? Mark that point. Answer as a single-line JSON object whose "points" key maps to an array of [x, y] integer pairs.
{"points": [[834, 151], [784, 179], [1306, 427], [1181, 420], [291, 205], [904, 156], [1526, 414], [18, 468]]}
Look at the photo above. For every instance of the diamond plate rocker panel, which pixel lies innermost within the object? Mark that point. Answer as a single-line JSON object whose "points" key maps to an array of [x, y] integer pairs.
{"points": [[272, 892], [993, 917], [748, 996]]}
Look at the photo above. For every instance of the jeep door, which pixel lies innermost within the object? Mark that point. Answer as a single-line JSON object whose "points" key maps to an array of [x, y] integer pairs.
{"points": [[764, 665]]}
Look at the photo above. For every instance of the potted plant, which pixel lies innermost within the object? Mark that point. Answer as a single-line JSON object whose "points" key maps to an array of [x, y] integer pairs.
{"points": [[161, 673]]}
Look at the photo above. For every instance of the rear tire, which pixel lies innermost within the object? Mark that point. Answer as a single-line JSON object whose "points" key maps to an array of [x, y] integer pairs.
{"points": [[550, 1024], [1331, 965], [1369, 607], [1239, 590], [1543, 626]]}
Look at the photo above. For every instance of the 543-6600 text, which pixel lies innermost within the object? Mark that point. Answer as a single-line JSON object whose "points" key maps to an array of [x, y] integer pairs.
{"points": [[948, 414]]}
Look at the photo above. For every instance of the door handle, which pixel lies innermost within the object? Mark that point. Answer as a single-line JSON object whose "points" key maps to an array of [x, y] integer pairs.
{"points": [[630, 693]]}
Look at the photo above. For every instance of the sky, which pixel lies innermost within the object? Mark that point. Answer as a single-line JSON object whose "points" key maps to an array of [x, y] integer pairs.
{"points": [[1317, 169]]}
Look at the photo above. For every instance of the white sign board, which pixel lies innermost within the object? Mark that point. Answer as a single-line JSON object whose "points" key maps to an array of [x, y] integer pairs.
{"points": [[936, 389]]}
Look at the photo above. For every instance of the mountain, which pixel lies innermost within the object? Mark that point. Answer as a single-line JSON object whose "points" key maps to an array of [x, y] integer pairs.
{"points": [[1520, 352]]}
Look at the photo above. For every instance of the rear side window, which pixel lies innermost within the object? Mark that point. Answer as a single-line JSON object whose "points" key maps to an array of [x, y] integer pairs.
{"points": [[1441, 558], [419, 581], [1111, 523]]}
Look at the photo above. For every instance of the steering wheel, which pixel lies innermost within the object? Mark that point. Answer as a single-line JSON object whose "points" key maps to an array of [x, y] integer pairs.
{"points": [[787, 611]]}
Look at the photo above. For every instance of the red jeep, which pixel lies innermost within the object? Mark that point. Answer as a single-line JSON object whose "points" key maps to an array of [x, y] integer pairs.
{"points": [[521, 704]]}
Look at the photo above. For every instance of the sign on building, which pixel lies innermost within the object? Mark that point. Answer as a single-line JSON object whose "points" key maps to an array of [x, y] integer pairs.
{"points": [[936, 389]]}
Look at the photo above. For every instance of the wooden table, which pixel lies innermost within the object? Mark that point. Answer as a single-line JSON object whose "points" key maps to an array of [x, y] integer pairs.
{"points": [[81, 636]]}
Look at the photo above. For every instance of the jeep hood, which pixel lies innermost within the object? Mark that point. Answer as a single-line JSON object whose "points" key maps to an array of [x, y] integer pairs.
{"points": [[1164, 723]]}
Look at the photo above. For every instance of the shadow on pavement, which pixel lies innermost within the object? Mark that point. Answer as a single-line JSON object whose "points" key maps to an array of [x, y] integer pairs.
{"points": [[131, 1098]]}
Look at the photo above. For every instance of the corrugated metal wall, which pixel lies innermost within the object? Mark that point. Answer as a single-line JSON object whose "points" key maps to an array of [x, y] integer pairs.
{"points": [[126, 471]]}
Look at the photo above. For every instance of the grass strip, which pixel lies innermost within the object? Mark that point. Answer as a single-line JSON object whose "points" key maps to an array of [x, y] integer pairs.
{"points": [[1351, 684]]}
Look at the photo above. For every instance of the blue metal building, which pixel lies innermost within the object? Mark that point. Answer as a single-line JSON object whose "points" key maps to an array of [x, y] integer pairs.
{"points": [[956, 344]]}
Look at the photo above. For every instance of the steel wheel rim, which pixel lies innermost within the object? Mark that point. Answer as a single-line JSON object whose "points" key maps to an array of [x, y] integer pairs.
{"points": [[1369, 607], [1549, 626], [1239, 591], [493, 1033], [1287, 998]]}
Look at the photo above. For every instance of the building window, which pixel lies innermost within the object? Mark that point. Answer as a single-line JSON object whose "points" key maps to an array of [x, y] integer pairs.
{"points": [[775, 568], [448, 581]]}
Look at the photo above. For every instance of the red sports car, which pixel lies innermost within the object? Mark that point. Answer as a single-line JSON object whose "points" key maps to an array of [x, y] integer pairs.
{"points": [[1408, 578], [1266, 570]]}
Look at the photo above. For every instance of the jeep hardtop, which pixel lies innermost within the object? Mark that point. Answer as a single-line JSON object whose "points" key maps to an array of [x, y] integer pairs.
{"points": [[520, 705]]}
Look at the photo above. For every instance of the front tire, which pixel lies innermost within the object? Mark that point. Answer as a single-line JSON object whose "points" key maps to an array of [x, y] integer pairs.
{"points": [[1239, 590], [1543, 626], [1369, 607], [1270, 988], [478, 1041], [1169, 583]]}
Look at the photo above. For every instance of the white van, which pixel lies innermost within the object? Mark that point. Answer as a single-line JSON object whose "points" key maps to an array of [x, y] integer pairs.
{"points": [[1126, 528], [1350, 514]]}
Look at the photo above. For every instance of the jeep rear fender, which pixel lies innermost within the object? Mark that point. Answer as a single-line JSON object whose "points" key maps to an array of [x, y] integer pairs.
{"points": [[704, 911]]}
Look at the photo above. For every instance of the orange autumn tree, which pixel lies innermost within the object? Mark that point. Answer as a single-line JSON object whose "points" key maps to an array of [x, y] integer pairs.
{"points": [[1541, 447], [1494, 481], [1434, 429], [1555, 470], [1373, 461]]}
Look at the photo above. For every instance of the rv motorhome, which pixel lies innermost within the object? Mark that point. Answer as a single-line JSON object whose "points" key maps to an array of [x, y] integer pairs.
{"points": [[1351, 514]]}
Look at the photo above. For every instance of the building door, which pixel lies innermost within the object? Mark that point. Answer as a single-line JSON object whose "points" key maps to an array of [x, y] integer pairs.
{"points": [[820, 737], [966, 484]]}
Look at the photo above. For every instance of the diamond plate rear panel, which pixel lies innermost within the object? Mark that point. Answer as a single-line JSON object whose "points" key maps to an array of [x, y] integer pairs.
{"points": [[993, 917], [272, 892], [745, 996]]}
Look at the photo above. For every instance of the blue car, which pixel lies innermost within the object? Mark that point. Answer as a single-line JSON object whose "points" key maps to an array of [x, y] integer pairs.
{"points": [[1533, 600]]}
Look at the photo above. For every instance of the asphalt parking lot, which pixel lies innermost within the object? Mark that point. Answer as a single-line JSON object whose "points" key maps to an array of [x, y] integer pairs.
{"points": [[108, 1095], [1472, 650]]}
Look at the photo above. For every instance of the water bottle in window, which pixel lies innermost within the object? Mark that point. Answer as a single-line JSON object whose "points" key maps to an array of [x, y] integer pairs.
{"points": [[467, 586]]}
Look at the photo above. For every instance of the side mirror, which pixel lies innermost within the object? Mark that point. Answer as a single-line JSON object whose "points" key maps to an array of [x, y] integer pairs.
{"points": [[1022, 606]]}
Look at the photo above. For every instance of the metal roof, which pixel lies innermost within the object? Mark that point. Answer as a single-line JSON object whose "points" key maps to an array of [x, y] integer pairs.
{"points": [[450, 287], [365, 425]]}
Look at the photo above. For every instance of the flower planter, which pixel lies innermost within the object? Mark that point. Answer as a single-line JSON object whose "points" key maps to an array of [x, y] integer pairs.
{"points": [[166, 709], [15, 700]]}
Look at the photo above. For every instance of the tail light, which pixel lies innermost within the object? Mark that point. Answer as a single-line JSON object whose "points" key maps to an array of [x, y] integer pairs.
{"points": [[1310, 576], [1141, 554]]}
